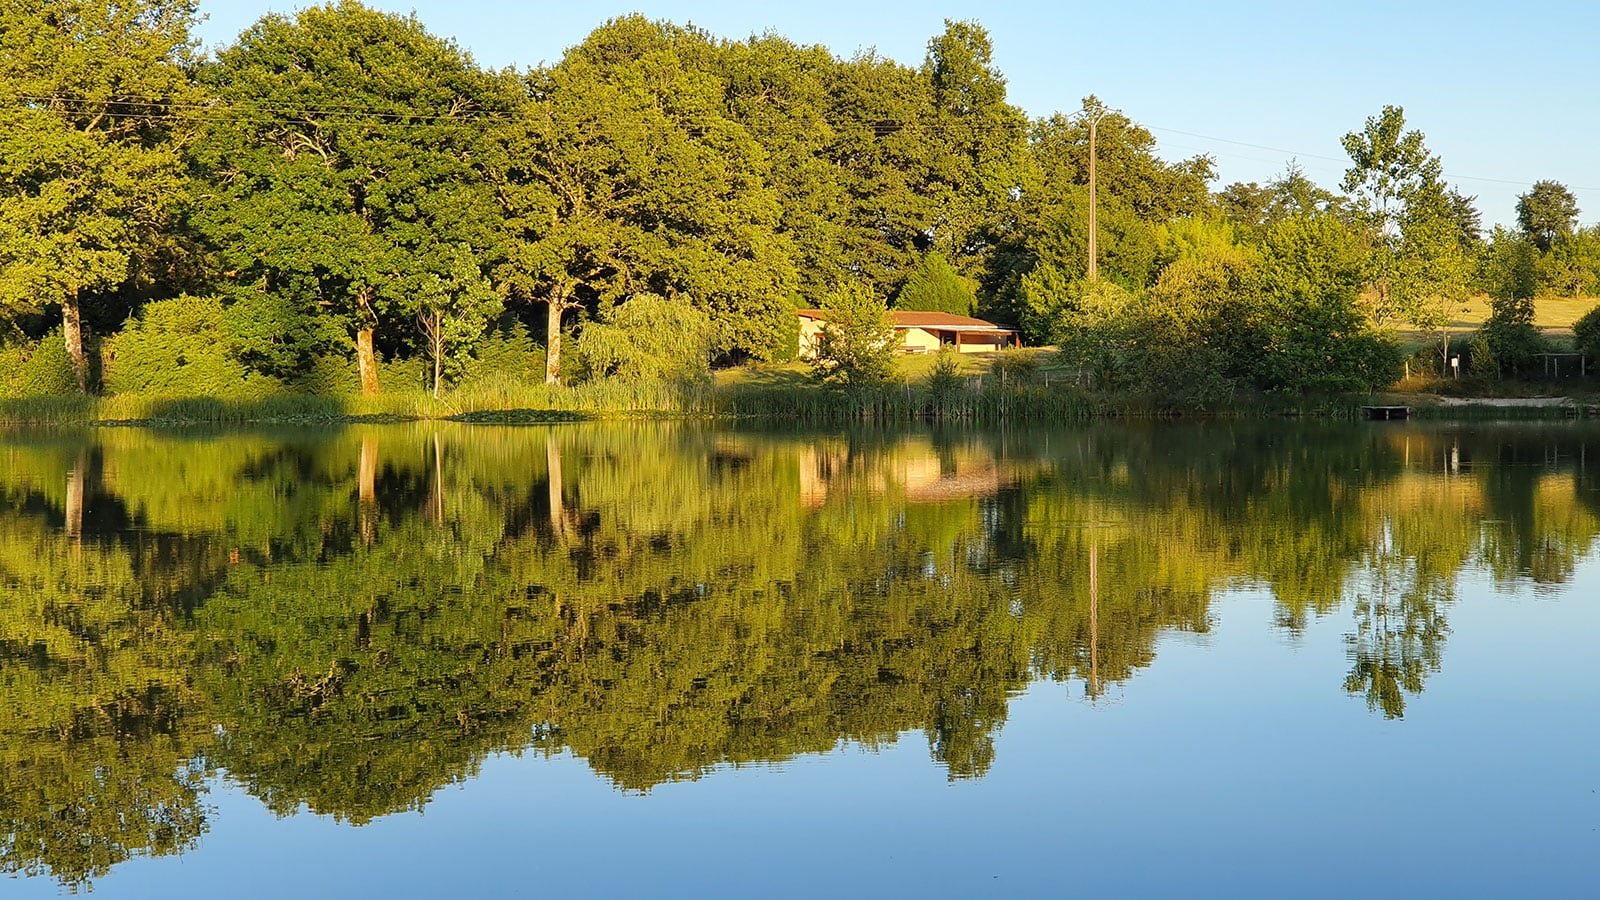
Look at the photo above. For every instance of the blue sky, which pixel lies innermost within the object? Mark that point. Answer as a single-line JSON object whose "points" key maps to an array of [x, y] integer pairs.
{"points": [[1504, 97]]}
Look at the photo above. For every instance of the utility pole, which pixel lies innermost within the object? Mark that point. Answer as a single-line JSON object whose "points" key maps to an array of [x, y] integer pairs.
{"points": [[1093, 113]]}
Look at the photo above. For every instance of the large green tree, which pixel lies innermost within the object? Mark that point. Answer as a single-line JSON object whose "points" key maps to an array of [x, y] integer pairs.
{"points": [[1049, 225], [1421, 264], [978, 144], [93, 101], [343, 153], [1547, 212], [623, 175]]}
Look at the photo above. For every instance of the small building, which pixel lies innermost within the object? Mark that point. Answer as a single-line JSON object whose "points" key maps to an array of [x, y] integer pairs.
{"points": [[922, 332]]}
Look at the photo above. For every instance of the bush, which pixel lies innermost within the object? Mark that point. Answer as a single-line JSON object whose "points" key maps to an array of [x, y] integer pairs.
{"points": [[857, 345], [38, 369], [506, 355], [648, 339], [1515, 345], [183, 347], [944, 381], [1586, 334], [1480, 360], [1015, 367]]}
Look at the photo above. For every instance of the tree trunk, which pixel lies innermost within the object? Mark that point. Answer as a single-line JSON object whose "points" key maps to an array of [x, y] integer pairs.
{"points": [[367, 489], [552, 341], [72, 331], [438, 480], [555, 487], [77, 488], [438, 353], [367, 361]]}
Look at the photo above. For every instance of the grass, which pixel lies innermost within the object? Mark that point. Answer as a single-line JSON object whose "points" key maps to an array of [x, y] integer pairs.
{"points": [[1035, 389], [500, 402], [1552, 315]]}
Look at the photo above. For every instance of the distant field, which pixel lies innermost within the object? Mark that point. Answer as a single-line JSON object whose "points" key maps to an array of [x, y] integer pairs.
{"points": [[1553, 315], [1550, 313]]}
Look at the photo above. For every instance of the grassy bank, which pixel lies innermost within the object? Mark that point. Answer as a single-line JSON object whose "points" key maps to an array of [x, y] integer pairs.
{"points": [[980, 392], [507, 402]]}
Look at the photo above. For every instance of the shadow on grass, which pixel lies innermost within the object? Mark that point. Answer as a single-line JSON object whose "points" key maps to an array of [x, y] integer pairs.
{"points": [[134, 410]]}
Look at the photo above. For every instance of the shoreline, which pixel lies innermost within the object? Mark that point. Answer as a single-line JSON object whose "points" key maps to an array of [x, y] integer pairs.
{"points": [[75, 412]]}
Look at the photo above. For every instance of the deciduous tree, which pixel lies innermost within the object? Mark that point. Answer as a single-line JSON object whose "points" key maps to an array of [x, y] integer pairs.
{"points": [[93, 103], [342, 153], [857, 344], [1547, 212]]}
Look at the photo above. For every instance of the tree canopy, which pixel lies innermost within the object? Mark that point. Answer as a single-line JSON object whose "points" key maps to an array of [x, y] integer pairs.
{"points": [[347, 199]]}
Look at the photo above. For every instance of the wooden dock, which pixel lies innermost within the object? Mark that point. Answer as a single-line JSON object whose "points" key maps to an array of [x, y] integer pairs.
{"points": [[1387, 412]]}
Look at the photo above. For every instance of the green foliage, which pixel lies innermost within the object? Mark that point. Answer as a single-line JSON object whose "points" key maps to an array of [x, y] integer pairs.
{"points": [[1572, 267], [89, 183], [1508, 267], [623, 173], [1510, 336], [1480, 358], [360, 218], [1048, 226], [361, 190], [648, 338], [1015, 367], [1320, 339], [1586, 335], [1420, 263], [1547, 212], [36, 369], [507, 353], [1093, 328], [936, 287], [181, 347], [857, 344], [944, 380], [1255, 207]]}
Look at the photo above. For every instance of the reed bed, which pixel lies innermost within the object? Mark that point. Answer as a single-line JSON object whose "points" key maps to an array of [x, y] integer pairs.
{"points": [[968, 399]]}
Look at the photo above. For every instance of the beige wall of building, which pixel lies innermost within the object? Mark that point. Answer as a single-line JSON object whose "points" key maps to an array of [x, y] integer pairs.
{"points": [[810, 333], [912, 339]]}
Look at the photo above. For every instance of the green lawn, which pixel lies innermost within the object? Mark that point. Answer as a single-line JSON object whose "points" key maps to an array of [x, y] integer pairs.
{"points": [[1553, 315]]}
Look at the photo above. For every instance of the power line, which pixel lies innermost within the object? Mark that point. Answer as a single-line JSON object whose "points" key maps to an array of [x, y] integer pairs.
{"points": [[159, 109], [1296, 154]]}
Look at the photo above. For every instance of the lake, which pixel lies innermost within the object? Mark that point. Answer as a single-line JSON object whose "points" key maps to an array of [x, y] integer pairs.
{"points": [[1249, 659]]}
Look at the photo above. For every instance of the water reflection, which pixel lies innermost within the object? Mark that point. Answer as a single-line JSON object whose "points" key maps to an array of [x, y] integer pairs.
{"points": [[346, 621]]}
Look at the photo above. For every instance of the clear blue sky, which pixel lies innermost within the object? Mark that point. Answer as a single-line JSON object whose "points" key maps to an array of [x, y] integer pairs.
{"points": [[1505, 96]]}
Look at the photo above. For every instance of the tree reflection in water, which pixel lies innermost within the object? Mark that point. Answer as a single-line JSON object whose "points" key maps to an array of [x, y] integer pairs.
{"points": [[346, 621]]}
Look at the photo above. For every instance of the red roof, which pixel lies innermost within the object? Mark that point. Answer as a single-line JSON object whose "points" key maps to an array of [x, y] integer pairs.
{"points": [[932, 321]]}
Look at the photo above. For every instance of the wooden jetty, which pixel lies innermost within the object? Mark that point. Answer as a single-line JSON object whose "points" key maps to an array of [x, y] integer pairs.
{"points": [[1387, 412]]}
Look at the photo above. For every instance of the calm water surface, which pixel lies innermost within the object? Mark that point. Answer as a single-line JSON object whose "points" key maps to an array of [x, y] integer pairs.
{"points": [[1260, 659]]}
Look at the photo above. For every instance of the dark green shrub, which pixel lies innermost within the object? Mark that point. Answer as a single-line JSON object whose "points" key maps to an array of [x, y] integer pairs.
{"points": [[936, 286], [38, 369], [1586, 334], [1516, 346], [1015, 367], [183, 347], [505, 356]]}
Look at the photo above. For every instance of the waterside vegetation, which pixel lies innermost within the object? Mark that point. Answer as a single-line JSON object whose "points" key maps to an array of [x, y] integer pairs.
{"points": [[341, 214]]}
